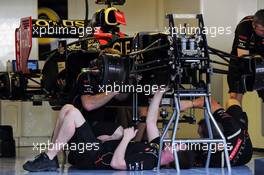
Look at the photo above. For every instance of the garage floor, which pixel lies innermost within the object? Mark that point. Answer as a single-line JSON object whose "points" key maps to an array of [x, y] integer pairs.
{"points": [[10, 166]]}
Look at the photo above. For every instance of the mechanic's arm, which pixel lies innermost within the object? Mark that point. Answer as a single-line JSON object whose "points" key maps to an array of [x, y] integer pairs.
{"points": [[234, 95], [143, 112], [242, 38], [153, 114], [117, 135], [92, 102], [118, 160]]}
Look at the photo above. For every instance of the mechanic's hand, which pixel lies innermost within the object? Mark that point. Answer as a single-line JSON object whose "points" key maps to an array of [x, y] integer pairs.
{"points": [[163, 90], [198, 103], [130, 133], [118, 134], [160, 92]]}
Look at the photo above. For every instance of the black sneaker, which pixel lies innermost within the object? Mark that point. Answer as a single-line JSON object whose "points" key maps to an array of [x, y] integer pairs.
{"points": [[42, 163]]}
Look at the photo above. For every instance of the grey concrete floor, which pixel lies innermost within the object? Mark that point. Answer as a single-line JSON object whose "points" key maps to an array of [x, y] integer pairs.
{"points": [[10, 166]]}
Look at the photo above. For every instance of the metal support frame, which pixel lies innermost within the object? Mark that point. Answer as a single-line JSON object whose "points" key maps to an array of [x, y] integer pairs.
{"points": [[198, 92], [174, 121], [135, 117]]}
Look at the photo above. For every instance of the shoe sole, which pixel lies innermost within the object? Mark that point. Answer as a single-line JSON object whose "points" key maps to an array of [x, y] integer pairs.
{"points": [[41, 170]]}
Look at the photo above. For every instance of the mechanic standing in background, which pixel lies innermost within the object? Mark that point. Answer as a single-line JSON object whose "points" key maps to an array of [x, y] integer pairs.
{"points": [[249, 39]]}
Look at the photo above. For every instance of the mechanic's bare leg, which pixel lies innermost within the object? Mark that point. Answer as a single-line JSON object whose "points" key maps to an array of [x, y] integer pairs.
{"points": [[63, 112], [72, 119]]}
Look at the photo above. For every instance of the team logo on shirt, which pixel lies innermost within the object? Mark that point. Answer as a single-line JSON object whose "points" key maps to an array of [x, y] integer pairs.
{"points": [[241, 43], [136, 166]]}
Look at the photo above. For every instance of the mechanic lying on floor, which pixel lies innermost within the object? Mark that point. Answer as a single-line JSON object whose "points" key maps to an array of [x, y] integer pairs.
{"points": [[234, 125], [103, 152], [111, 153]]}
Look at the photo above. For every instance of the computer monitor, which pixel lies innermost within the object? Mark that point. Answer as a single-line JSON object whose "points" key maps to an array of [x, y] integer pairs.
{"points": [[32, 65]]}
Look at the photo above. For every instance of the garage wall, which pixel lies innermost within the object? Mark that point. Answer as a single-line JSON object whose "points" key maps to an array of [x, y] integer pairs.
{"points": [[260, 4], [181, 7], [10, 13]]}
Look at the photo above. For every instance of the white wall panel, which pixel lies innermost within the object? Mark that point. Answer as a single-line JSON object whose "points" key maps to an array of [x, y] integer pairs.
{"points": [[11, 115], [260, 4], [37, 120]]}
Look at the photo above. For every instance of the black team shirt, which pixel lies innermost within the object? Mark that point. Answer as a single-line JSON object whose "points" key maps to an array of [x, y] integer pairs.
{"points": [[247, 39]]}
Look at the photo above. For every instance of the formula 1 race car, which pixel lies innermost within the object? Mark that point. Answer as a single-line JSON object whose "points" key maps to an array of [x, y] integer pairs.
{"points": [[145, 58]]}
